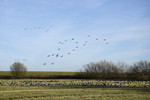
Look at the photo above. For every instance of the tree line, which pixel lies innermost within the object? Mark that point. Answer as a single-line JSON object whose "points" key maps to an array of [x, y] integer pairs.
{"points": [[119, 71], [105, 70]]}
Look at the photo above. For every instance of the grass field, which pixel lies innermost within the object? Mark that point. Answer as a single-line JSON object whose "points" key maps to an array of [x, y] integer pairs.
{"points": [[48, 93], [64, 92], [40, 73], [71, 89]]}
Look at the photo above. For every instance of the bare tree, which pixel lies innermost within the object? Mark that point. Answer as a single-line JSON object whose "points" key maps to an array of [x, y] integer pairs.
{"points": [[103, 69], [140, 70], [18, 70]]}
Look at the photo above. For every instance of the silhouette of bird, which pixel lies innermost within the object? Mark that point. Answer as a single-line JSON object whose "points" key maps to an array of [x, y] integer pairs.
{"points": [[68, 53], [85, 41], [96, 38], [84, 44], [48, 55], [25, 28], [59, 42], [65, 40], [76, 46], [57, 55], [44, 64], [72, 39], [62, 56], [73, 50], [104, 39], [106, 43], [58, 49], [52, 63], [52, 54], [76, 42], [88, 35]]}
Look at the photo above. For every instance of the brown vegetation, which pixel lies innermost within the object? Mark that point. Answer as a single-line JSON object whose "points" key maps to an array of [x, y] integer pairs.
{"points": [[18, 70], [108, 70], [105, 70]]}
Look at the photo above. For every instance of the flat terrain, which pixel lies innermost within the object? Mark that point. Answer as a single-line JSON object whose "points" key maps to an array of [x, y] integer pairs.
{"points": [[74, 90], [40, 73], [49, 93]]}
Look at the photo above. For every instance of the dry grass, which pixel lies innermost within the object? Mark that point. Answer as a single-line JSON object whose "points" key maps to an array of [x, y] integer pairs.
{"points": [[72, 93]]}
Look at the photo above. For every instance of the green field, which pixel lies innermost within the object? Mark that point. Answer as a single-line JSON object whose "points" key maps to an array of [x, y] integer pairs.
{"points": [[48, 93], [74, 92], [40, 73]]}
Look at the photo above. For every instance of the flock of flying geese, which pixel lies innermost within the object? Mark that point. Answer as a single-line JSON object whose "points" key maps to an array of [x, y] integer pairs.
{"points": [[57, 55], [46, 29]]}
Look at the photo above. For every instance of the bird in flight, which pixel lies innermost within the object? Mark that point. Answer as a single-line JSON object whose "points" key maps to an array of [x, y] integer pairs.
{"points": [[25, 28], [52, 63], [83, 44], [48, 55], [44, 64], [57, 55]]}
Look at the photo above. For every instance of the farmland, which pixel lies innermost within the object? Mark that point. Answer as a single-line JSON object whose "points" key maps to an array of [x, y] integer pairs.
{"points": [[40, 73], [66, 89]]}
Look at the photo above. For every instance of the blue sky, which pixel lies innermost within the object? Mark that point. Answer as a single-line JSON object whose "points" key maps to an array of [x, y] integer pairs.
{"points": [[31, 29]]}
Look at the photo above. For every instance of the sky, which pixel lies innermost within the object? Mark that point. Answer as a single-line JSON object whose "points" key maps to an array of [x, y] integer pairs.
{"points": [[41, 33]]}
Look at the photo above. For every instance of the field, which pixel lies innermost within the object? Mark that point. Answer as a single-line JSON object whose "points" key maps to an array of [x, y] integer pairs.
{"points": [[40, 73], [71, 89]]}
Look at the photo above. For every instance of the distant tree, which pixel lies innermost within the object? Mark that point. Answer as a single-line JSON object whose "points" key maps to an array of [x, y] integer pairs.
{"points": [[18, 70], [103, 70], [140, 71], [124, 68]]}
